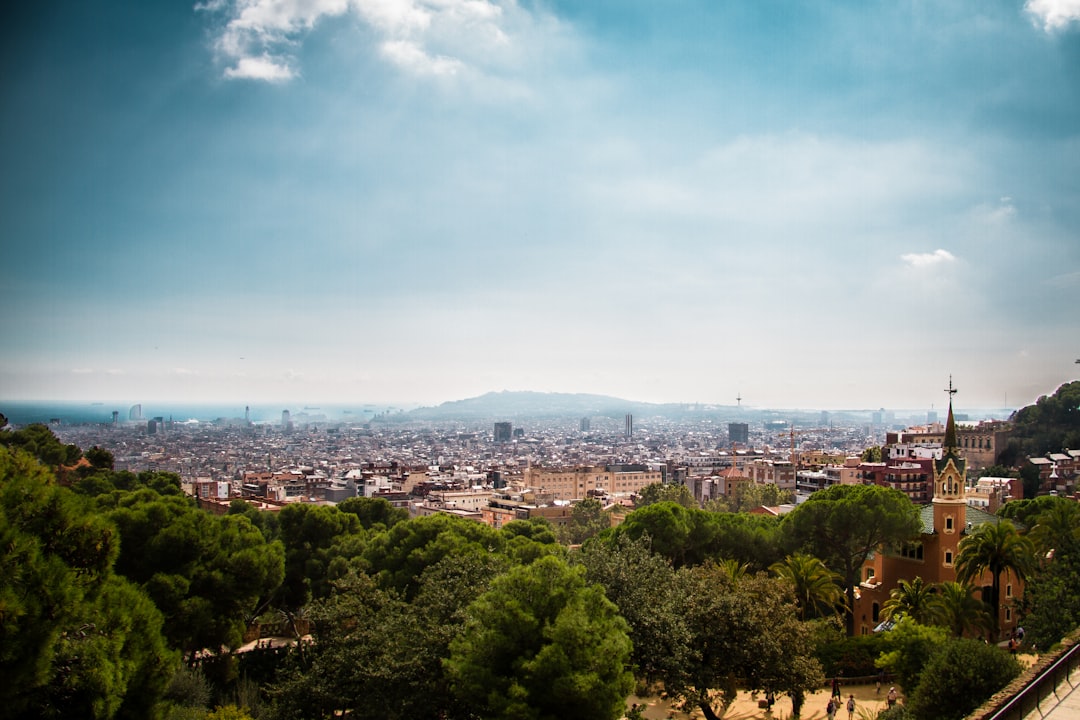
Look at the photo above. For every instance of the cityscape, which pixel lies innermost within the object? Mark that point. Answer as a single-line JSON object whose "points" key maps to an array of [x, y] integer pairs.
{"points": [[540, 360]]}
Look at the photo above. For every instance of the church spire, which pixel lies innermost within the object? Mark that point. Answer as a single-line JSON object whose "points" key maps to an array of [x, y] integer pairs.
{"points": [[950, 424]]}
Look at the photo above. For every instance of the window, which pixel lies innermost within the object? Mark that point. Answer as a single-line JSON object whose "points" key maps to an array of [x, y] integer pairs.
{"points": [[1008, 614], [948, 524], [1008, 590], [876, 610], [869, 574], [948, 557]]}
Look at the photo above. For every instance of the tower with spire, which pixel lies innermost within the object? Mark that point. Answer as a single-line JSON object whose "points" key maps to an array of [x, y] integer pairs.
{"points": [[949, 502]]}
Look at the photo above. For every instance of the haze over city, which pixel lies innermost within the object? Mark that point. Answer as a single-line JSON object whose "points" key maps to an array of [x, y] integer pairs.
{"points": [[822, 205]]}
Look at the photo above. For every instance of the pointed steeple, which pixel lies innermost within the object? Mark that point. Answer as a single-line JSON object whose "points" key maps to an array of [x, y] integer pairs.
{"points": [[949, 481], [950, 424]]}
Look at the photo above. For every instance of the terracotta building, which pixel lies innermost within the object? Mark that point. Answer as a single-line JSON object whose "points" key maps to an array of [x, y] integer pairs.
{"points": [[946, 520]]}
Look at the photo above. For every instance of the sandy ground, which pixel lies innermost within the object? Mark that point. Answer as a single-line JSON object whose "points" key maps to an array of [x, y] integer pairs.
{"points": [[867, 703]]}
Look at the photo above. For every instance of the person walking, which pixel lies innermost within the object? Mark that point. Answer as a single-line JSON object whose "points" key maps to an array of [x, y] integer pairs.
{"points": [[830, 709], [851, 707], [891, 697]]}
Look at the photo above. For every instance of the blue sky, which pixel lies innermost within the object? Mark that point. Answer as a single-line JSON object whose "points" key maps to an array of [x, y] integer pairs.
{"points": [[821, 204]]}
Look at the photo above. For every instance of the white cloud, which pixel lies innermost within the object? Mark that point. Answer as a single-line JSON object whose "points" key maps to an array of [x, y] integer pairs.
{"points": [[410, 56], [260, 68], [925, 260], [428, 37], [1053, 14]]}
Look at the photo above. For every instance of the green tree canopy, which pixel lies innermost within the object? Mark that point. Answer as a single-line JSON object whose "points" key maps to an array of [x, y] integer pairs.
{"points": [[817, 588], [641, 583], [997, 548], [665, 492], [75, 639], [960, 676], [542, 645], [843, 524], [743, 634]]}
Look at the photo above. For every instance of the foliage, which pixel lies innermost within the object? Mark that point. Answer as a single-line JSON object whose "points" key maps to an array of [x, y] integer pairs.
{"points": [[664, 492], [816, 587], [908, 647], [308, 532], [955, 607], [997, 548], [75, 639], [1051, 424], [845, 656], [743, 635], [374, 512], [911, 598], [688, 536], [587, 520], [39, 441], [960, 676], [1050, 607], [542, 644], [843, 524], [378, 657], [871, 454], [747, 496], [207, 574], [398, 556], [642, 585]]}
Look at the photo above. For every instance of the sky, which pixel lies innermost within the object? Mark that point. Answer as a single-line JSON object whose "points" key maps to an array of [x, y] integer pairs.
{"points": [[800, 204]]}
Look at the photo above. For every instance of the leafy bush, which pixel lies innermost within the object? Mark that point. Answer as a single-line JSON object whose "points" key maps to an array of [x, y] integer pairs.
{"points": [[959, 677]]}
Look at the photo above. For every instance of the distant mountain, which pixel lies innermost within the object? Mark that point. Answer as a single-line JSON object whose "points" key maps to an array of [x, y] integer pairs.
{"points": [[509, 404]]}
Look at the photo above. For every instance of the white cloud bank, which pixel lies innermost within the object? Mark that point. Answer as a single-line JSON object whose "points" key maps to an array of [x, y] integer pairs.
{"points": [[1053, 14], [426, 37], [926, 260]]}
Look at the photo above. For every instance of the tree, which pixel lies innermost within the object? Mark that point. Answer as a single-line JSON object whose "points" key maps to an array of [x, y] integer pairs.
{"points": [[540, 645], [664, 492], [843, 524], [742, 635], [816, 587], [75, 639], [747, 496], [959, 677], [954, 606], [398, 556], [374, 511], [209, 575], [913, 599], [377, 657], [587, 519], [997, 548], [871, 454], [641, 583], [909, 646]]}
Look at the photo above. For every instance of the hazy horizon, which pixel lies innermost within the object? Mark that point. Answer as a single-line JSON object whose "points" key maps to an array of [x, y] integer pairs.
{"points": [[803, 205]]}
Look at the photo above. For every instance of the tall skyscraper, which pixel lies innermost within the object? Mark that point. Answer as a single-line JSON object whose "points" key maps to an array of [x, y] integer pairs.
{"points": [[739, 433], [629, 425], [503, 431]]}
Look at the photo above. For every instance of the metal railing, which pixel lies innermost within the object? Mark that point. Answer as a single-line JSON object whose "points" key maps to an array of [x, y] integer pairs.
{"points": [[1035, 693]]}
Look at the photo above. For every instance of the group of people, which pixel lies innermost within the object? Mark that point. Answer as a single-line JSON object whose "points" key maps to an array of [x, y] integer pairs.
{"points": [[836, 701]]}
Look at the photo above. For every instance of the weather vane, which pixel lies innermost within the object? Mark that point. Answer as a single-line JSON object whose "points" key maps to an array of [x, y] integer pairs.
{"points": [[951, 390]]}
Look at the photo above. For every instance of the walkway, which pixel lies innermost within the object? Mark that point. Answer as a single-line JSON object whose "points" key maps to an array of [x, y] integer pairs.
{"points": [[1068, 705]]}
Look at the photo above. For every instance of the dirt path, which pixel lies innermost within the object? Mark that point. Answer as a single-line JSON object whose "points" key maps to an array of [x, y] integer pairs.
{"points": [[867, 703]]}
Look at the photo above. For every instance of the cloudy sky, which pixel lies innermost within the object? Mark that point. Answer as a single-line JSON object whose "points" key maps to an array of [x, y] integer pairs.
{"points": [[808, 204]]}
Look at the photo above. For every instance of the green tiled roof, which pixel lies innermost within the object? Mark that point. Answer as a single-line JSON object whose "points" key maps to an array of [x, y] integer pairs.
{"points": [[975, 518]]}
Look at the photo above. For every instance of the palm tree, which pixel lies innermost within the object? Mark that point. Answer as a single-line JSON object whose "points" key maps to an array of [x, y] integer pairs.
{"points": [[955, 607], [913, 599], [1058, 528], [817, 588], [734, 569], [995, 548]]}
